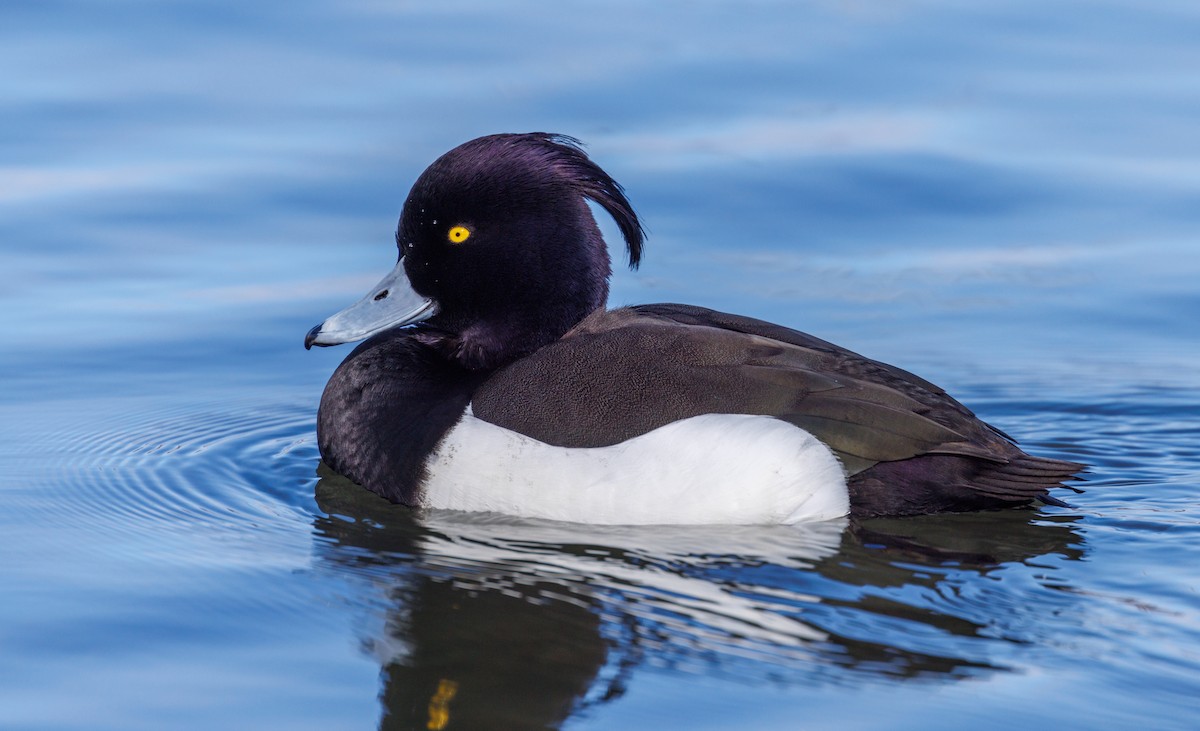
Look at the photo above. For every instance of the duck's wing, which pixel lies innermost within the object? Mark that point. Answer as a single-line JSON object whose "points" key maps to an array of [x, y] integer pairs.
{"points": [[625, 372]]}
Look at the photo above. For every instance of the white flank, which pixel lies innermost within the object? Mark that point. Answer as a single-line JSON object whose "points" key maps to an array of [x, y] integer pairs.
{"points": [[715, 468]]}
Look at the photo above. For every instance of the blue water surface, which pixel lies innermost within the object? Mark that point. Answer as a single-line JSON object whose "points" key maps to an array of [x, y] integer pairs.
{"points": [[1003, 198]]}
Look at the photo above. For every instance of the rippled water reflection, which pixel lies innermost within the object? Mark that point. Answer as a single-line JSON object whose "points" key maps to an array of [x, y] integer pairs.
{"points": [[999, 199]]}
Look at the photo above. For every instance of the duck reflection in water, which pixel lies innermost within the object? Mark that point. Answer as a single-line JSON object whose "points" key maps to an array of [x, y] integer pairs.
{"points": [[492, 622]]}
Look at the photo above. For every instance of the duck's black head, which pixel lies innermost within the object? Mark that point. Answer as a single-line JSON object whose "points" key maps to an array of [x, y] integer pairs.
{"points": [[500, 248]]}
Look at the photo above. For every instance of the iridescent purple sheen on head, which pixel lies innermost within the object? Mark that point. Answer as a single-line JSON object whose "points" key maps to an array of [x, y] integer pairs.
{"points": [[534, 264]]}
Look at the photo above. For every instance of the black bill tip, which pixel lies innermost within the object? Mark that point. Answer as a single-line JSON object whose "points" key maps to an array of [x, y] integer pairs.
{"points": [[311, 337]]}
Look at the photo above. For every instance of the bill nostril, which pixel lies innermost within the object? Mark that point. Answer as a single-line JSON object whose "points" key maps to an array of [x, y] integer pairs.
{"points": [[381, 295]]}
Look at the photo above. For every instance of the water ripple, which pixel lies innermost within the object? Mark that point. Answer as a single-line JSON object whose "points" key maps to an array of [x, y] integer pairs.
{"points": [[243, 468], [897, 599]]}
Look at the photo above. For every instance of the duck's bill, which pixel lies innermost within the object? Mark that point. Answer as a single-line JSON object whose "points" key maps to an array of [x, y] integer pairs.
{"points": [[391, 303]]}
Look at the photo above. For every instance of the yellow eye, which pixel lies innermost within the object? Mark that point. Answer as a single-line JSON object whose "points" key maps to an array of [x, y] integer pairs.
{"points": [[458, 234]]}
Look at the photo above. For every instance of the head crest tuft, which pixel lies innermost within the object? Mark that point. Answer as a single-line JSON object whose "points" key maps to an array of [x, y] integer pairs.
{"points": [[573, 164]]}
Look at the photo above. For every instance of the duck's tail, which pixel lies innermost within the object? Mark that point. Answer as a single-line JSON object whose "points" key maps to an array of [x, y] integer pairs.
{"points": [[934, 483]]}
